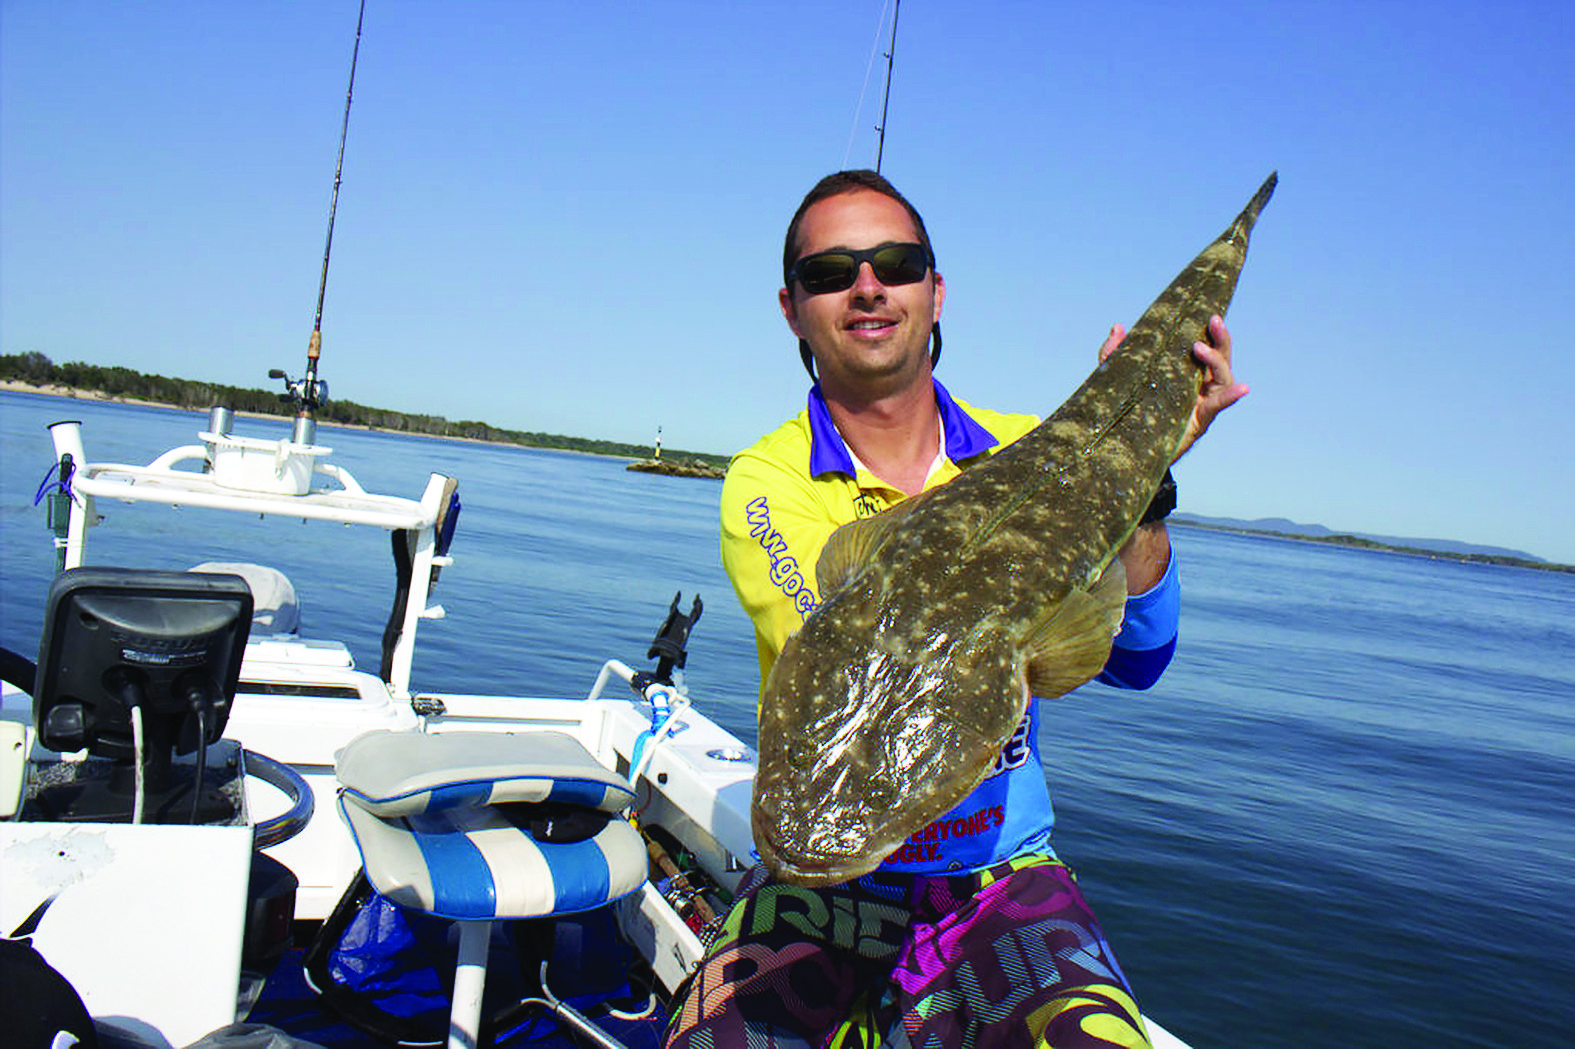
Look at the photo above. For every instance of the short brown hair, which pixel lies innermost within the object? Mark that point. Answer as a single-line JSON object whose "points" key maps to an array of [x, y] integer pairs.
{"points": [[848, 182]]}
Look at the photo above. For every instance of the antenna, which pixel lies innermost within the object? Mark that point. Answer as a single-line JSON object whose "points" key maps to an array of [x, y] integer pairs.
{"points": [[890, 54]]}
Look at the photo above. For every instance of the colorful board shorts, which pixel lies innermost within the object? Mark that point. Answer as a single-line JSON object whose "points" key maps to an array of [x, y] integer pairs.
{"points": [[1009, 956]]}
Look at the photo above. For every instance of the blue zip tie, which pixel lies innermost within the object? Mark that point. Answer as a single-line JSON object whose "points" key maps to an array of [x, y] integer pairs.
{"points": [[62, 485]]}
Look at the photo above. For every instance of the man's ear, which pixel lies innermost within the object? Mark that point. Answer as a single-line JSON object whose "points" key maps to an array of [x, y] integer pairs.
{"points": [[789, 308]]}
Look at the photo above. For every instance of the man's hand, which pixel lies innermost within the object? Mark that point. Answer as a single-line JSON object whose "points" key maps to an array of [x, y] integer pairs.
{"points": [[1220, 390]]}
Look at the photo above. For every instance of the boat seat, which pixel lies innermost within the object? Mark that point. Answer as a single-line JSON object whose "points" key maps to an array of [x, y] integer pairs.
{"points": [[275, 608], [484, 826]]}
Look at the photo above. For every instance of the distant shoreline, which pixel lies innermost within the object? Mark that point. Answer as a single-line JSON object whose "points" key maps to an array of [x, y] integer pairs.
{"points": [[35, 374], [1355, 542], [71, 393], [1358, 543]]}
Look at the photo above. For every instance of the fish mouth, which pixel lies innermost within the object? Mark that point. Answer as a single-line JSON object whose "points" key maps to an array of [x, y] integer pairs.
{"points": [[807, 871], [812, 874]]}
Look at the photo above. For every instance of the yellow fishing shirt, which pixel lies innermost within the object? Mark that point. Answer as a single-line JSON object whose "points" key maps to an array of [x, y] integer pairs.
{"points": [[785, 494]]}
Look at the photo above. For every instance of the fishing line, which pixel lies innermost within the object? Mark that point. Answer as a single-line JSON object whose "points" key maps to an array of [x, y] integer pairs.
{"points": [[874, 49]]}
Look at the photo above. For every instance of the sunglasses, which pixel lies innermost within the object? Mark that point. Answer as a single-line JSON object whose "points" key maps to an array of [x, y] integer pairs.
{"points": [[829, 271]]}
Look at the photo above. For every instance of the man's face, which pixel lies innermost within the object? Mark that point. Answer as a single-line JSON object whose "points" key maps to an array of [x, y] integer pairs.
{"points": [[871, 339]]}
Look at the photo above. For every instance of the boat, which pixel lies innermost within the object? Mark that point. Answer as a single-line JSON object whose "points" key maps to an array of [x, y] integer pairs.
{"points": [[200, 918], [295, 705]]}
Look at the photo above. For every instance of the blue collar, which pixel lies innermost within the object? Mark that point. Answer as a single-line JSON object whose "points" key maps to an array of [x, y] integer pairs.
{"points": [[828, 452]]}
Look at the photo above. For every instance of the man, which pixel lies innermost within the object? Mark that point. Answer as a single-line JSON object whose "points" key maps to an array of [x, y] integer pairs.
{"points": [[972, 932]]}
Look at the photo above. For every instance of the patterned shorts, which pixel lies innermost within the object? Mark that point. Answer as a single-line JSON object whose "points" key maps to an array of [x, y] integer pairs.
{"points": [[1010, 956]]}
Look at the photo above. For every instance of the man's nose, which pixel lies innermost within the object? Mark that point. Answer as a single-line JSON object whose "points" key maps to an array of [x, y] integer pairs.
{"points": [[866, 285]]}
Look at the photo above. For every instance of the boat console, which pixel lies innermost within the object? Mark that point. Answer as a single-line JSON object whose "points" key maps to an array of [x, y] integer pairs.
{"points": [[131, 860], [136, 667]]}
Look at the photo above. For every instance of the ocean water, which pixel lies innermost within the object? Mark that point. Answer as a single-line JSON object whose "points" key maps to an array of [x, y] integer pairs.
{"points": [[1342, 818]]}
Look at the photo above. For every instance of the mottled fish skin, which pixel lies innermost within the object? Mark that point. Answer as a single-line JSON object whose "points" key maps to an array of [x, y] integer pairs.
{"points": [[900, 691]]}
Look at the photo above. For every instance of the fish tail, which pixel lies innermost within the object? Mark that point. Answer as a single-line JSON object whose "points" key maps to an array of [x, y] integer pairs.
{"points": [[1249, 215]]}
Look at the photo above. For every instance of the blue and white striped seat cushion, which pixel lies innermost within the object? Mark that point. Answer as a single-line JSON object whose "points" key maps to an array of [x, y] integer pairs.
{"points": [[473, 863], [404, 773], [444, 823]]}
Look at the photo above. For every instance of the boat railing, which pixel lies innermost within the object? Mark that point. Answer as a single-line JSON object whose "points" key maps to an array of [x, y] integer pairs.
{"points": [[263, 477], [610, 669], [292, 821], [668, 700], [161, 482]]}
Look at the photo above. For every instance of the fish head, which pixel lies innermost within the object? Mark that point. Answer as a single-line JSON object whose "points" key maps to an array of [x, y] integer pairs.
{"points": [[869, 735]]}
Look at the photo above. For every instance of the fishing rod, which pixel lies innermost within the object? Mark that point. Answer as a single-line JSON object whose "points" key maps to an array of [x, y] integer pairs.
{"points": [[890, 54], [311, 393]]}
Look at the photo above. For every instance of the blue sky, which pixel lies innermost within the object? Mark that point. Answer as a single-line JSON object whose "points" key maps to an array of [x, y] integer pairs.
{"points": [[568, 217]]}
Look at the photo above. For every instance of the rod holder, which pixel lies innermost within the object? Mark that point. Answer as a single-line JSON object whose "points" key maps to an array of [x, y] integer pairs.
{"points": [[220, 420]]}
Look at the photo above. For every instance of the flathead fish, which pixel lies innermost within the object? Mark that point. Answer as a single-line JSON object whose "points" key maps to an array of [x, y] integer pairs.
{"points": [[943, 615]]}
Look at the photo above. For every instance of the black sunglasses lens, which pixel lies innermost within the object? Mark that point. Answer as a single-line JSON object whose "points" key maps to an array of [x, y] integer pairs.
{"points": [[837, 270], [829, 271], [899, 264]]}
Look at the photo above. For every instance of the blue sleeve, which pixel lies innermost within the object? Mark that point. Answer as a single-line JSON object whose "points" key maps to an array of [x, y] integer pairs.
{"points": [[1142, 650]]}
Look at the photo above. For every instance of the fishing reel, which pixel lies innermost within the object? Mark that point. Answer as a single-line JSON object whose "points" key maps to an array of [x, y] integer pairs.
{"points": [[308, 392]]}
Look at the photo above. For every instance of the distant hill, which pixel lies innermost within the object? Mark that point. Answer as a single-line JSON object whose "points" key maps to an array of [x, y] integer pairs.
{"points": [[1283, 526]]}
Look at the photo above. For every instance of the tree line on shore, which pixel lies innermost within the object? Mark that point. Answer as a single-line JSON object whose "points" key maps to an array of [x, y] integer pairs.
{"points": [[35, 369]]}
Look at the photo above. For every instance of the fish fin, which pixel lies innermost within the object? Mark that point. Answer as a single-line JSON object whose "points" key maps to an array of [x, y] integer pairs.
{"points": [[1071, 642], [852, 546]]}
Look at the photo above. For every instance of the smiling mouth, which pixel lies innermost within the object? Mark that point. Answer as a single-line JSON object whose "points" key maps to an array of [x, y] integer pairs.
{"points": [[871, 325]]}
